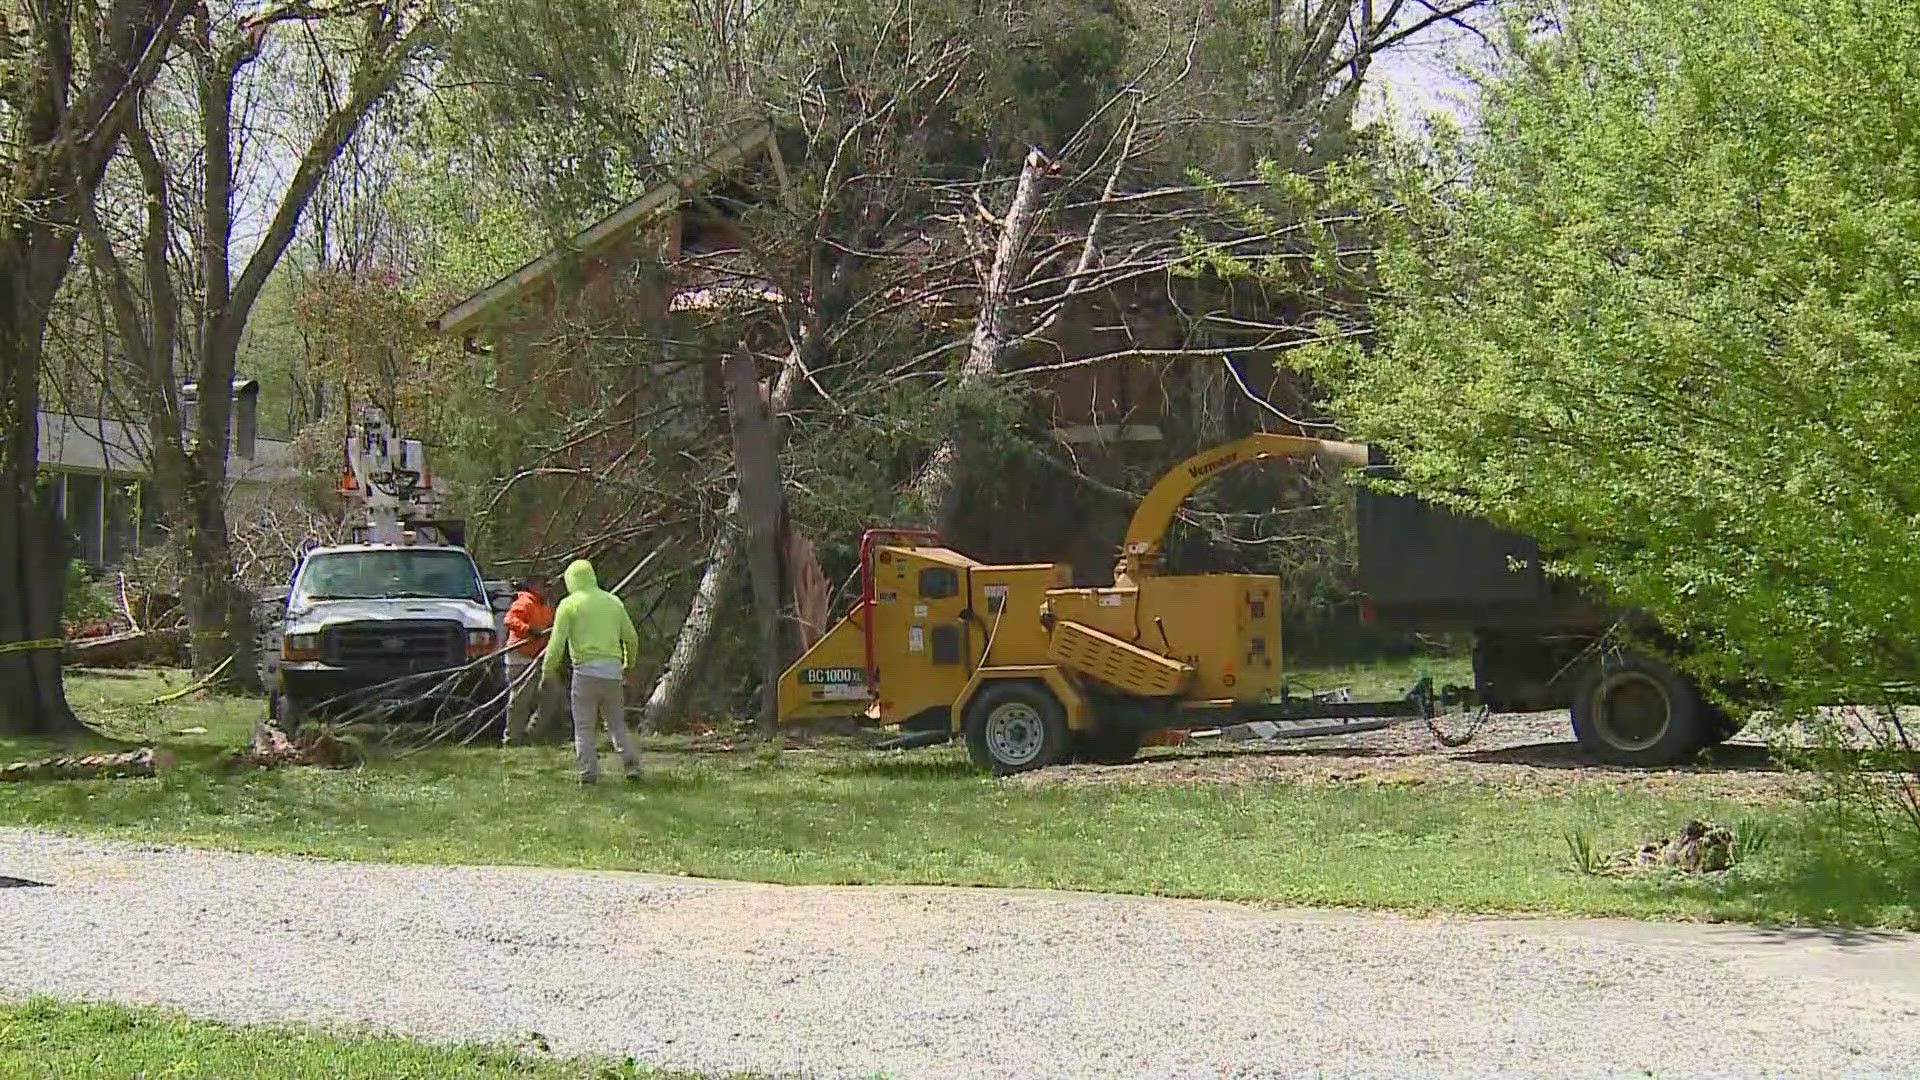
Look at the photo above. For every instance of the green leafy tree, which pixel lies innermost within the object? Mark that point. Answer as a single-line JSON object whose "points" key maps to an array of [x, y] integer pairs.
{"points": [[1660, 310]]}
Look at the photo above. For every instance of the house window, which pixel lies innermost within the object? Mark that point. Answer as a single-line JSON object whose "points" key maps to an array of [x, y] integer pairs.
{"points": [[84, 516]]}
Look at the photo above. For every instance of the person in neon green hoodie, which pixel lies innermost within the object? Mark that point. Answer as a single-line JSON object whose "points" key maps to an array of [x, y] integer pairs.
{"points": [[592, 629]]}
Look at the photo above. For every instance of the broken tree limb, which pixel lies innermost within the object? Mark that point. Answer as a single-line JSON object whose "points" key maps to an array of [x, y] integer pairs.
{"points": [[937, 485], [758, 467], [200, 684], [127, 649], [670, 690], [812, 592], [146, 761]]}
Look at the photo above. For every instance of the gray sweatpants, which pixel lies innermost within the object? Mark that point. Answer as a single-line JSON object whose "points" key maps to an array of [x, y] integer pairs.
{"points": [[596, 701], [526, 693]]}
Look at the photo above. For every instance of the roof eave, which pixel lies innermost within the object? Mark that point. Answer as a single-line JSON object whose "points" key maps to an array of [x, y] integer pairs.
{"points": [[463, 318]]}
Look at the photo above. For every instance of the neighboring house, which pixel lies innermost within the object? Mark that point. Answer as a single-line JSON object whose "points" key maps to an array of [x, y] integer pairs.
{"points": [[1108, 401], [94, 470]]}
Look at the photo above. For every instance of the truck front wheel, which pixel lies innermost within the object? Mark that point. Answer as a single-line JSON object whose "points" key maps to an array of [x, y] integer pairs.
{"points": [[1636, 711], [287, 713], [1016, 726]]}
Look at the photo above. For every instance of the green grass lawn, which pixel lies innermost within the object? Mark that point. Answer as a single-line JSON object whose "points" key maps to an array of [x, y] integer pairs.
{"points": [[922, 817], [49, 1040]]}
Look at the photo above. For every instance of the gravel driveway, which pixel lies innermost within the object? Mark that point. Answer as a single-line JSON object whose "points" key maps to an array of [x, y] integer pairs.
{"points": [[935, 982], [1532, 752]]}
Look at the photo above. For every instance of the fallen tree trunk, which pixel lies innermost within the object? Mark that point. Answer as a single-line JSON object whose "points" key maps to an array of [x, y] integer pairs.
{"points": [[937, 485], [127, 649], [146, 761], [757, 466], [670, 690]]}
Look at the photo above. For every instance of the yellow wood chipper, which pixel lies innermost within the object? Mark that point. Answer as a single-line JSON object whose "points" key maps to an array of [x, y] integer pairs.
{"points": [[1033, 672]]}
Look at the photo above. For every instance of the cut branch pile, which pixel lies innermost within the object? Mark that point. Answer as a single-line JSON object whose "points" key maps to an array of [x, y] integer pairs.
{"points": [[146, 761], [272, 749]]}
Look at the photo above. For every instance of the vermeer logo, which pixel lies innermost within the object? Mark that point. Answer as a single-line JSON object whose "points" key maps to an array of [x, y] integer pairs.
{"points": [[831, 676], [1205, 467]]}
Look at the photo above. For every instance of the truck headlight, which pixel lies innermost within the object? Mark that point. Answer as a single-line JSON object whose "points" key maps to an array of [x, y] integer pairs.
{"points": [[300, 647], [479, 643]]}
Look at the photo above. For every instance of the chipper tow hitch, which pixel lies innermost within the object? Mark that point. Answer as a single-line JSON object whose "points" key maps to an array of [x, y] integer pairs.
{"points": [[1323, 713]]}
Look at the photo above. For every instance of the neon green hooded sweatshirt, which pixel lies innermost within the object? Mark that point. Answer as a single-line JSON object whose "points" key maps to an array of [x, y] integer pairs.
{"points": [[590, 624]]}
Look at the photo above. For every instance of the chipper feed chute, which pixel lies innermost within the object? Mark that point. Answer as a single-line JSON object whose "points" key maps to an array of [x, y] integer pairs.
{"points": [[1111, 662]]}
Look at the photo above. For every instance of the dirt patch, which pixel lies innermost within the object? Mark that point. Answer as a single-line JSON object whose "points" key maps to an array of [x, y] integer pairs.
{"points": [[1531, 752]]}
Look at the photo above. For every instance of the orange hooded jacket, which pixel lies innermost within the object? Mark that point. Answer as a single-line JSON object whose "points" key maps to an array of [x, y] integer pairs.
{"points": [[528, 616]]}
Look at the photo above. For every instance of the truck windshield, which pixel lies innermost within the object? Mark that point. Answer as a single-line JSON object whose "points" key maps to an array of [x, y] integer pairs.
{"points": [[367, 575]]}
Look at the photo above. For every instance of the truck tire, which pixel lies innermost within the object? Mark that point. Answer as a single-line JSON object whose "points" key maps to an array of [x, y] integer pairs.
{"points": [[1636, 711], [1014, 727], [287, 713], [1106, 746]]}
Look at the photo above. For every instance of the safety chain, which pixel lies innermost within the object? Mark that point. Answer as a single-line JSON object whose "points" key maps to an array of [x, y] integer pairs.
{"points": [[1479, 719]]}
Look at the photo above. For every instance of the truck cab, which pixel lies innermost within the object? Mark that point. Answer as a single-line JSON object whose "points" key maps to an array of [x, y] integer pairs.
{"points": [[375, 630]]}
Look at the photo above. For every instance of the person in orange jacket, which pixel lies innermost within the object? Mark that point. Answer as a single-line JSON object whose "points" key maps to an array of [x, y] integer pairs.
{"points": [[529, 621]]}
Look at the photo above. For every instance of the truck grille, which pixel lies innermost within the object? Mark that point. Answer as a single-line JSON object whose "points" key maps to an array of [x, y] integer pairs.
{"points": [[411, 646]]}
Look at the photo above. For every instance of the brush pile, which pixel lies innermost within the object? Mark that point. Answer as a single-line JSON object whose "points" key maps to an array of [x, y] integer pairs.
{"points": [[273, 749]]}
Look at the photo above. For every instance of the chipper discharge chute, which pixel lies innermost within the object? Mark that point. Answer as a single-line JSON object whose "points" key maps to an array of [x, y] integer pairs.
{"points": [[1034, 672]]}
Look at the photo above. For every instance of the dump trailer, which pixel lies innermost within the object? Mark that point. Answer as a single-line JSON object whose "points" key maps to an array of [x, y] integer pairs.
{"points": [[1539, 642], [1032, 671]]}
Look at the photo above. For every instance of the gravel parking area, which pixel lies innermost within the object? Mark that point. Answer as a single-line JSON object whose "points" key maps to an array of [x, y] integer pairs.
{"points": [[1528, 751], [939, 982]]}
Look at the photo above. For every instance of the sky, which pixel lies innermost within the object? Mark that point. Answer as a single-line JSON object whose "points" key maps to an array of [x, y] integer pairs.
{"points": [[1414, 80], [1421, 77]]}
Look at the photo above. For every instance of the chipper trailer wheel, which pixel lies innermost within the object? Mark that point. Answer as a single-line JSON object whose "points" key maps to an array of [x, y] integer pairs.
{"points": [[1017, 726]]}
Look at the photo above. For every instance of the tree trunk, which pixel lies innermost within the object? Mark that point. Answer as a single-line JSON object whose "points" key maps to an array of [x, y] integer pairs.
{"points": [[758, 491], [670, 690], [33, 574], [219, 611], [33, 548], [939, 483]]}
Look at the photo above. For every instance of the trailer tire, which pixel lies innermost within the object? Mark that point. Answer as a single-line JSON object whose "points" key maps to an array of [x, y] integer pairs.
{"points": [[1635, 711], [1015, 727], [1106, 746]]}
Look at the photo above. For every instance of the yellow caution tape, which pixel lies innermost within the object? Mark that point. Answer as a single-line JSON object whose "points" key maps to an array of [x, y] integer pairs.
{"points": [[29, 646]]}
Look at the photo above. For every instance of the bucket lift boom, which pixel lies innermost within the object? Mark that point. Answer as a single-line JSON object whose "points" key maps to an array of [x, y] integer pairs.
{"points": [[388, 480]]}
